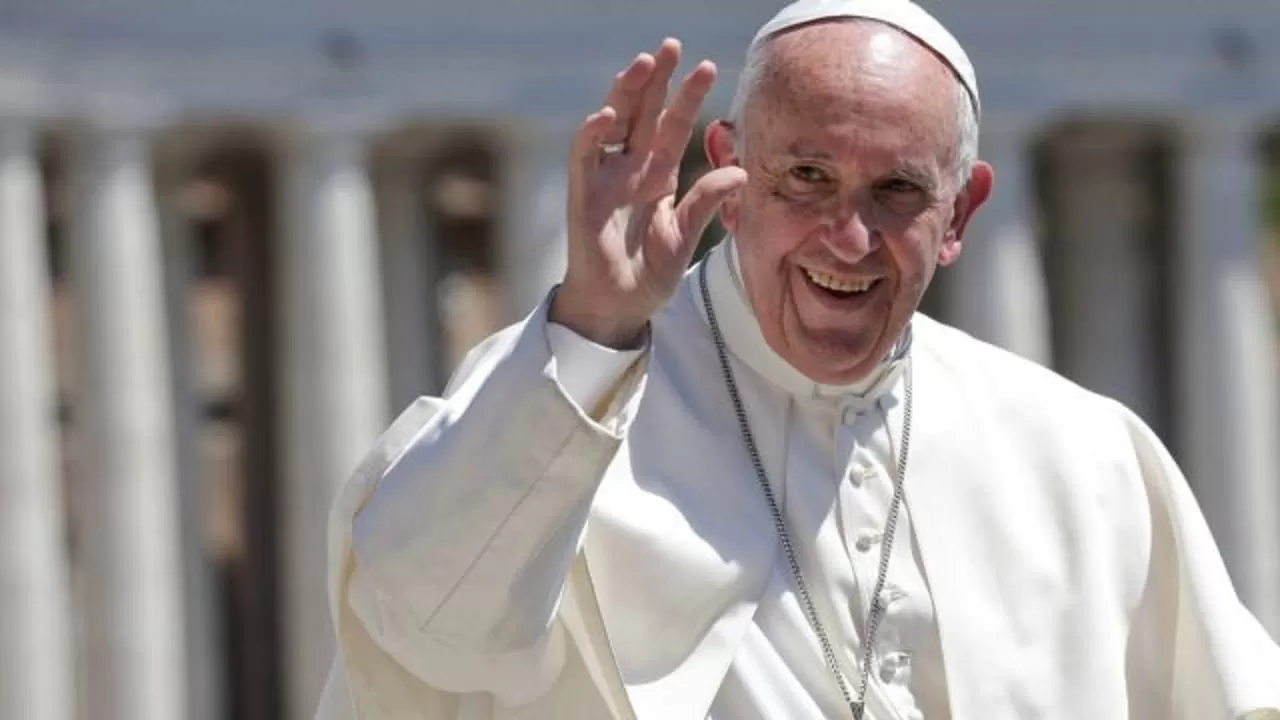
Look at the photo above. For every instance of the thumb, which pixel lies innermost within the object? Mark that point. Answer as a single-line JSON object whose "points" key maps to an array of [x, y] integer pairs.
{"points": [[704, 198]]}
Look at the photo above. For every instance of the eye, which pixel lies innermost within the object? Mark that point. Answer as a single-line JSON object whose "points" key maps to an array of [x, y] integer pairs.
{"points": [[902, 196], [809, 174], [898, 186]]}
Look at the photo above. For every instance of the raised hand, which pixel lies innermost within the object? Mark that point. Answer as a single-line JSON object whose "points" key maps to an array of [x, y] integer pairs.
{"points": [[629, 242]]}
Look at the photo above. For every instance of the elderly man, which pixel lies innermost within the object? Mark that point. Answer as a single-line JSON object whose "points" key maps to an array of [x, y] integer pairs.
{"points": [[768, 487]]}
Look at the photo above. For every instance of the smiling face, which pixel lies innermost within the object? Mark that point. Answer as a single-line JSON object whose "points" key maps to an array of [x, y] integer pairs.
{"points": [[851, 146]]}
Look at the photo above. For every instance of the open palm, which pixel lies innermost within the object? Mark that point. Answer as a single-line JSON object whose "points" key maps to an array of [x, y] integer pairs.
{"points": [[629, 241]]}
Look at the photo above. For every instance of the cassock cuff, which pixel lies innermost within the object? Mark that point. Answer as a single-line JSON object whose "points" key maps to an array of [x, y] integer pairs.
{"points": [[586, 370]]}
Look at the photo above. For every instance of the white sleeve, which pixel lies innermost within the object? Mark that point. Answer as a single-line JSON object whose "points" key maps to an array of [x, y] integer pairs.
{"points": [[586, 369], [459, 547], [1194, 633]]}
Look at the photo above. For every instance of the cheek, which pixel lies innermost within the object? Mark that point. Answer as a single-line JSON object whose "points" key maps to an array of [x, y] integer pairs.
{"points": [[731, 213], [763, 251], [767, 223], [782, 225], [947, 247], [949, 251], [916, 254], [762, 267]]}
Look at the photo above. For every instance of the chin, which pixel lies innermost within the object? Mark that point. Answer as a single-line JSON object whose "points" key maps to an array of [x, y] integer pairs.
{"points": [[834, 358], [833, 372]]}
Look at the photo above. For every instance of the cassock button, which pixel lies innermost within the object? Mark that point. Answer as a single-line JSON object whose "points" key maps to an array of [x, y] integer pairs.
{"points": [[895, 667], [867, 539], [859, 476], [892, 594]]}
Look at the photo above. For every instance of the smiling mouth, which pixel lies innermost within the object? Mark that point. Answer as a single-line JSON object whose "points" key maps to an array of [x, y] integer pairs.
{"points": [[837, 287]]}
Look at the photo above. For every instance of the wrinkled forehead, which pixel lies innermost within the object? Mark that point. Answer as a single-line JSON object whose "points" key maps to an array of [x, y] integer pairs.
{"points": [[841, 82]]}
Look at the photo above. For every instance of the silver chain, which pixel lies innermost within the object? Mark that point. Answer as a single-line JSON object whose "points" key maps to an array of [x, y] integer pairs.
{"points": [[856, 705]]}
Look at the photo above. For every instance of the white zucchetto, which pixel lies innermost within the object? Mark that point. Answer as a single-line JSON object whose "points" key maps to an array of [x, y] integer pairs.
{"points": [[904, 15]]}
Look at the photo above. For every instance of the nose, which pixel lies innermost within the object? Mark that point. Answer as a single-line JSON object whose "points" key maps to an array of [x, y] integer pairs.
{"points": [[850, 237]]}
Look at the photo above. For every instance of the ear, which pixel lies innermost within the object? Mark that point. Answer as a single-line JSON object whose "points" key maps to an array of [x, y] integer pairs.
{"points": [[975, 193], [719, 144]]}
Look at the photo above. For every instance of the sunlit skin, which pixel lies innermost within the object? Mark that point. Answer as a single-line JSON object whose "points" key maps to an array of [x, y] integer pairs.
{"points": [[850, 144]]}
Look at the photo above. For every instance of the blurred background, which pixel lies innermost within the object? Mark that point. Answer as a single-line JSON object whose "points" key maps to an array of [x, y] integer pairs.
{"points": [[237, 237]]}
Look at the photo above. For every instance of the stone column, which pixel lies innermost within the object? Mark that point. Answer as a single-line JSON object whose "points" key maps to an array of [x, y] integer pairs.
{"points": [[333, 375], [1106, 276], [200, 587], [998, 290], [35, 618], [532, 239], [129, 532], [410, 266], [1230, 422]]}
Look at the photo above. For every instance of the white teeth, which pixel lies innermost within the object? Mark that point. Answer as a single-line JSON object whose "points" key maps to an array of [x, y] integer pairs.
{"points": [[831, 283]]}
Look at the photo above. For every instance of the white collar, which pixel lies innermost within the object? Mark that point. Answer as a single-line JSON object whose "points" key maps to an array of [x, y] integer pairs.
{"points": [[745, 340]]}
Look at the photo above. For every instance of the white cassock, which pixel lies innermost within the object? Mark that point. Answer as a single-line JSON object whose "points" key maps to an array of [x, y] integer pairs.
{"points": [[574, 532]]}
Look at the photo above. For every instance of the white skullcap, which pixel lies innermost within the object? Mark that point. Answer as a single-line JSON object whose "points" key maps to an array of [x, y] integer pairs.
{"points": [[904, 15]]}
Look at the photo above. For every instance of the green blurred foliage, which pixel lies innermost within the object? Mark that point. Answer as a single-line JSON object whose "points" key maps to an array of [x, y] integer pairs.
{"points": [[1271, 183], [1271, 204]]}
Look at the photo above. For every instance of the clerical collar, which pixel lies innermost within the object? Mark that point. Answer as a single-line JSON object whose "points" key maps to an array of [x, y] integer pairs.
{"points": [[743, 336]]}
